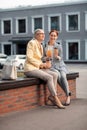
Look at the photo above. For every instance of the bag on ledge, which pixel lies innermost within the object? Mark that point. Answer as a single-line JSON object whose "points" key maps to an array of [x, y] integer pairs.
{"points": [[9, 71]]}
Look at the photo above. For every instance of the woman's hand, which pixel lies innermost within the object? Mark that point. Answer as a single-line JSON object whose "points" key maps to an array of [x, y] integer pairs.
{"points": [[45, 65], [58, 57], [48, 64]]}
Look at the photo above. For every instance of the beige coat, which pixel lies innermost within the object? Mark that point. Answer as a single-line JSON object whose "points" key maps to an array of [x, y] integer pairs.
{"points": [[34, 54]]}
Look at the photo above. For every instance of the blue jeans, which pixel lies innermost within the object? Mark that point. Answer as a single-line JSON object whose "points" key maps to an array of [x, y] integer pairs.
{"points": [[62, 80]]}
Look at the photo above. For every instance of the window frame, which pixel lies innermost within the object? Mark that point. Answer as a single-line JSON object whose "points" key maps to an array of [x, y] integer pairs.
{"points": [[26, 23], [6, 43], [85, 49], [2, 26], [49, 21], [67, 22], [67, 46], [32, 21], [86, 20]]}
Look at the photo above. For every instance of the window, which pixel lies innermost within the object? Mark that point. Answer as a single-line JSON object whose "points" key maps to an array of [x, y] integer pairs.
{"points": [[86, 21], [86, 49], [21, 25], [54, 22], [73, 22], [7, 48], [6, 26], [73, 50], [37, 22]]}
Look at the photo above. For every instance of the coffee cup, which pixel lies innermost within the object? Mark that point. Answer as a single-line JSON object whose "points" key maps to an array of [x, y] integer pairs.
{"points": [[55, 51]]}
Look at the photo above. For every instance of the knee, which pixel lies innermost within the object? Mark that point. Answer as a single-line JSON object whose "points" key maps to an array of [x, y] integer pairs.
{"points": [[63, 75], [55, 75], [49, 77]]}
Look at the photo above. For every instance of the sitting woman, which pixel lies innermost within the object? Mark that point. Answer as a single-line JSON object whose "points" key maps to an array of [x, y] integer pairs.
{"points": [[54, 51]]}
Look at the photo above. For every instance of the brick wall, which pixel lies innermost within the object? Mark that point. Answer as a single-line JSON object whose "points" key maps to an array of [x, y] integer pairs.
{"points": [[26, 98]]}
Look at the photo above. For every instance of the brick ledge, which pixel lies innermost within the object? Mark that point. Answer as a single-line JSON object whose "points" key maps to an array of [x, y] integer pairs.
{"points": [[21, 82]]}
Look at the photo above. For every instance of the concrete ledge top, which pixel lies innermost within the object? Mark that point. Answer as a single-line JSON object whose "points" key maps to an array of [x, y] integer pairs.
{"points": [[24, 82]]}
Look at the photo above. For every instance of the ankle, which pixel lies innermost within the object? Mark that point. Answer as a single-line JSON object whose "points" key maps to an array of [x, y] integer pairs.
{"points": [[68, 99], [57, 100]]}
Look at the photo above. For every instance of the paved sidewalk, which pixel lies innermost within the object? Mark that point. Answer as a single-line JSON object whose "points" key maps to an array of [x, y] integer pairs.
{"points": [[81, 84], [74, 117]]}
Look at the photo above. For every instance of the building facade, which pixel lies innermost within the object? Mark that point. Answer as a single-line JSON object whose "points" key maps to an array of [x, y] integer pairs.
{"points": [[70, 19]]}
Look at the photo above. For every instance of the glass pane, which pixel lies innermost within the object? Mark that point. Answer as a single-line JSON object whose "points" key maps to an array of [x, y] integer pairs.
{"points": [[55, 23], [21, 48], [86, 21], [37, 23], [22, 26], [73, 50], [7, 49], [73, 22], [7, 27]]}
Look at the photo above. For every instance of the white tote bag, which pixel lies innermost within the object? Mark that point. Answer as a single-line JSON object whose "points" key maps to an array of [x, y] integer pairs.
{"points": [[9, 71]]}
